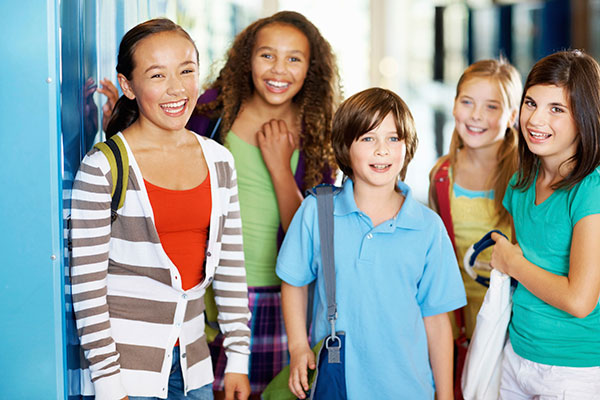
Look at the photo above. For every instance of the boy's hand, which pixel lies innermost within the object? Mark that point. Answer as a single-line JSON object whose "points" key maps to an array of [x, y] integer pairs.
{"points": [[300, 359], [504, 254], [237, 386]]}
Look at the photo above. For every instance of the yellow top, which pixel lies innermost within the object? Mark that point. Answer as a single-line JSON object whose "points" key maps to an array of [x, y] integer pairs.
{"points": [[473, 216]]}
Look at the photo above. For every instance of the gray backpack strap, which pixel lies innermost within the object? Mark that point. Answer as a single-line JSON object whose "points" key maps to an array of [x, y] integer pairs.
{"points": [[324, 195]]}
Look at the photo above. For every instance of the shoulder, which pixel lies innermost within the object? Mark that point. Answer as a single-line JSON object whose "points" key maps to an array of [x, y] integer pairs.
{"points": [[441, 166], [214, 151], [589, 186], [94, 162], [429, 217]]}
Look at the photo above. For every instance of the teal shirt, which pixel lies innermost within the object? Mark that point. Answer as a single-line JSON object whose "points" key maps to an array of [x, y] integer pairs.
{"points": [[259, 211], [538, 331]]}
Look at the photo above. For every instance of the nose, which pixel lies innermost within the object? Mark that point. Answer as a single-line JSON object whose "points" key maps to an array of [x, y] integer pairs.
{"points": [[382, 149], [176, 86], [536, 118], [278, 66], [476, 115]]}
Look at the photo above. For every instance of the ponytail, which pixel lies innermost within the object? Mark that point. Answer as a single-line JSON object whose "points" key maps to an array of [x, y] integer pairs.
{"points": [[124, 114]]}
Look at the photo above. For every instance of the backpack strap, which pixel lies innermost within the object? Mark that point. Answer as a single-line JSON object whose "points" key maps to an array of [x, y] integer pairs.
{"points": [[324, 193], [442, 192], [116, 153]]}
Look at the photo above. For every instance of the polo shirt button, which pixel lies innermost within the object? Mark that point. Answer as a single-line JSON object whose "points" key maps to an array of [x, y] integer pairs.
{"points": [[184, 296], [183, 355], [370, 236], [208, 254], [178, 324]]}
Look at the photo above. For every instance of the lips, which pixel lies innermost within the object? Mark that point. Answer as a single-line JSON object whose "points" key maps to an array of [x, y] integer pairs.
{"points": [[380, 167], [277, 86], [174, 108]]}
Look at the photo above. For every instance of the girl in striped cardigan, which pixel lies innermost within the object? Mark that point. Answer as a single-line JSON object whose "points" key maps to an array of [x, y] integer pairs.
{"points": [[138, 283]]}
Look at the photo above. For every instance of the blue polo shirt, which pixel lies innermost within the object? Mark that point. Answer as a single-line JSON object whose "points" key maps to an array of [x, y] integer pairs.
{"points": [[388, 278]]}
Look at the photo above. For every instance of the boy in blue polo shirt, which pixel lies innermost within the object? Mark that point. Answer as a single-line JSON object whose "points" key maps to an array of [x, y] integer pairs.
{"points": [[396, 273]]}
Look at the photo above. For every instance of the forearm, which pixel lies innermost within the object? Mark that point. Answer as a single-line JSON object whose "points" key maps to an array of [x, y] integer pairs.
{"points": [[558, 291], [439, 343], [294, 302], [288, 195]]}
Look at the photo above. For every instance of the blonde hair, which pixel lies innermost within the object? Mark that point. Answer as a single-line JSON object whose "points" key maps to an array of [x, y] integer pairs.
{"points": [[509, 82]]}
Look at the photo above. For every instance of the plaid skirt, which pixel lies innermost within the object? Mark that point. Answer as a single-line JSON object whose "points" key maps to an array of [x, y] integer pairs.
{"points": [[268, 341]]}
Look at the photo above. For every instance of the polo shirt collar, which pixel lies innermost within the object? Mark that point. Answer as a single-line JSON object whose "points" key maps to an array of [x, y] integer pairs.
{"points": [[410, 216]]}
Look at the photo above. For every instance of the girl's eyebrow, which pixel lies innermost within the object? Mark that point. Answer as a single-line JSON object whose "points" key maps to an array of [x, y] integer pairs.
{"points": [[158, 66], [262, 48]]}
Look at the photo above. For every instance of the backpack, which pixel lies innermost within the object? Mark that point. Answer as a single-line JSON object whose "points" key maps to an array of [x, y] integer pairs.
{"points": [[116, 153]]}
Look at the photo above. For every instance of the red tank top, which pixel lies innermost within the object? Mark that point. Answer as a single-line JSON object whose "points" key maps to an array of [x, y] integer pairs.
{"points": [[182, 218]]}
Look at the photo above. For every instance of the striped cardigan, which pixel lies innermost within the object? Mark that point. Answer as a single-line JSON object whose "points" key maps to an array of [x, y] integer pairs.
{"points": [[127, 297]]}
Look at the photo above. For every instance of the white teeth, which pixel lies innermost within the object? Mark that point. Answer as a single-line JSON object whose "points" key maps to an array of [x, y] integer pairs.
{"points": [[174, 105], [380, 166], [539, 135], [474, 129], [278, 84]]}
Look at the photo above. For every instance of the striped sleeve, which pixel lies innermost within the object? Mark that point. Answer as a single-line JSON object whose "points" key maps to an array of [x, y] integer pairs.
{"points": [[231, 290], [90, 235]]}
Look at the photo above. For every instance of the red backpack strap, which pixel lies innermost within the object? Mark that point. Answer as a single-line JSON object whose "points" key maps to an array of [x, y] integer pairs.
{"points": [[442, 192]]}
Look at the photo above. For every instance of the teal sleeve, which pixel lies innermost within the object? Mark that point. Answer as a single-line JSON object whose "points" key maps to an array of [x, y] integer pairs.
{"points": [[585, 197], [507, 201]]}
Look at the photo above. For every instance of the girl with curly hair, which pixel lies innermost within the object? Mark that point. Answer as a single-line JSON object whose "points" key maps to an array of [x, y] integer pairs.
{"points": [[271, 106]]}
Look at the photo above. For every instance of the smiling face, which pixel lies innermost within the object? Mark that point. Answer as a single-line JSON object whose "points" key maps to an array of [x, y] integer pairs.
{"points": [[280, 61], [480, 114], [377, 156], [547, 123], [164, 81]]}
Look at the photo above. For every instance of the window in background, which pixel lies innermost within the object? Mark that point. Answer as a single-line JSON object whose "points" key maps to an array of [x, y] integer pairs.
{"points": [[348, 33]]}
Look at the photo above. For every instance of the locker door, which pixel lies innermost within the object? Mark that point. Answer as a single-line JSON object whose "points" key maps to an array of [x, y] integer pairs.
{"points": [[31, 283]]}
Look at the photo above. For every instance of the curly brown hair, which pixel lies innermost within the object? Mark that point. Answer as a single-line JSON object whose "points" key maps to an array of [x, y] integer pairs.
{"points": [[317, 100]]}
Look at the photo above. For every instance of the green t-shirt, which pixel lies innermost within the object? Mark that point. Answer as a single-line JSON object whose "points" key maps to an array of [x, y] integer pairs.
{"points": [[259, 211], [538, 331]]}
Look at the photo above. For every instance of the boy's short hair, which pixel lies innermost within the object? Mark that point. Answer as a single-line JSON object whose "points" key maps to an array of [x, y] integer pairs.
{"points": [[363, 112]]}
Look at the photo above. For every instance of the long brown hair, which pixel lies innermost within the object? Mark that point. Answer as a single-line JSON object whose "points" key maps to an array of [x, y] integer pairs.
{"points": [[316, 101], [509, 82], [579, 75]]}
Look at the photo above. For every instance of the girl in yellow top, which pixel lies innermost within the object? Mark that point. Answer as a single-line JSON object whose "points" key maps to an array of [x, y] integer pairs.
{"points": [[479, 165]]}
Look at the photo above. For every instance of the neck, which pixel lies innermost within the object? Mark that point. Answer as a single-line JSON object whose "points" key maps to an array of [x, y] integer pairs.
{"points": [[265, 111], [145, 134], [380, 204], [482, 157], [553, 170]]}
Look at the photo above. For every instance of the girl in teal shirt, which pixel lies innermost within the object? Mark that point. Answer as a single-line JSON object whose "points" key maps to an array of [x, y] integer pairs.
{"points": [[554, 333]]}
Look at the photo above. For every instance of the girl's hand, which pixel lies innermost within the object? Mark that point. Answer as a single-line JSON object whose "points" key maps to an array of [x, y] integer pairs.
{"points": [[237, 386], [112, 95], [300, 359], [277, 144], [504, 254]]}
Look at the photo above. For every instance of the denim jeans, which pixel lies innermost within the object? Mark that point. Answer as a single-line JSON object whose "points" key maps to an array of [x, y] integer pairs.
{"points": [[176, 385]]}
